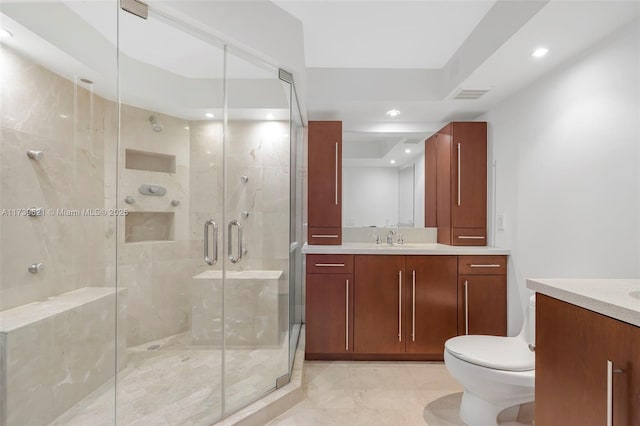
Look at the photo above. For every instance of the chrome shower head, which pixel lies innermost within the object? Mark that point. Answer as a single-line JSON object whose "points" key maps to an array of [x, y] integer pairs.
{"points": [[156, 125]]}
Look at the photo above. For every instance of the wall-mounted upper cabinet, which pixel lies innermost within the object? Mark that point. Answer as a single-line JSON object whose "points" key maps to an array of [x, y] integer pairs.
{"points": [[458, 152], [325, 182]]}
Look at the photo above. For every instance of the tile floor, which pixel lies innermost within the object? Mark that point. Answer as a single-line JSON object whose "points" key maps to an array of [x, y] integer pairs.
{"points": [[378, 393], [179, 384]]}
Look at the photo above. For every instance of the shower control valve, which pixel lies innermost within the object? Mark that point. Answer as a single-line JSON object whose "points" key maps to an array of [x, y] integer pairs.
{"points": [[35, 155], [34, 268]]}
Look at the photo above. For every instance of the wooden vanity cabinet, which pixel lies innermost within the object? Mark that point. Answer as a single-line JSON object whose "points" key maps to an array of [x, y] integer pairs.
{"points": [[432, 304], [380, 300], [325, 182], [329, 306], [404, 305], [573, 347], [482, 295], [459, 151], [430, 187]]}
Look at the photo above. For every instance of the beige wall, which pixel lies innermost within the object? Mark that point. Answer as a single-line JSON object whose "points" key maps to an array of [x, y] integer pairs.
{"points": [[76, 130]]}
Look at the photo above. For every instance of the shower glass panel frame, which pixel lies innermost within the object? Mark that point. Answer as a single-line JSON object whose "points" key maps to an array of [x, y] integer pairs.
{"points": [[144, 319], [257, 221]]}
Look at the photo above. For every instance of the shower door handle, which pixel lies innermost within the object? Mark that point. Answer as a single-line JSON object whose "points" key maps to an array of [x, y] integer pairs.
{"points": [[233, 259], [214, 258]]}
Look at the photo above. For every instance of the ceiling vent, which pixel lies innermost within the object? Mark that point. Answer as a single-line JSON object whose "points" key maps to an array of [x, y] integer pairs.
{"points": [[413, 141], [469, 94]]}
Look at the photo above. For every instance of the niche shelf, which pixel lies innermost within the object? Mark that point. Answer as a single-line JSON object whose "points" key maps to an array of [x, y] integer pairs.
{"points": [[149, 161], [149, 227]]}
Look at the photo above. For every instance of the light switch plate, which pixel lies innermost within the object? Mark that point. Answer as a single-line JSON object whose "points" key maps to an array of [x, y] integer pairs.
{"points": [[500, 222]]}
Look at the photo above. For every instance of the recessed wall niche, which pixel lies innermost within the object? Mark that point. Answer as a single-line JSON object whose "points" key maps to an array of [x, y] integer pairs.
{"points": [[149, 227], [149, 161]]}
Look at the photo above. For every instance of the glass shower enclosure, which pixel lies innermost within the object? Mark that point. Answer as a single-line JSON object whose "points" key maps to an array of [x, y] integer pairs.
{"points": [[151, 219]]}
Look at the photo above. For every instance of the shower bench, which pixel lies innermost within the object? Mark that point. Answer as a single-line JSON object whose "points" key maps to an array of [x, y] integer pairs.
{"points": [[56, 352], [253, 300]]}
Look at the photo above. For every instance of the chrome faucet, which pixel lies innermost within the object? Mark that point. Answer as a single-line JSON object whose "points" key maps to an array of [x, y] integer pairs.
{"points": [[390, 237]]}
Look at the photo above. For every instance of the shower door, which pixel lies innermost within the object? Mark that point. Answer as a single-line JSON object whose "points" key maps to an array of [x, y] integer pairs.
{"points": [[170, 179], [256, 221]]}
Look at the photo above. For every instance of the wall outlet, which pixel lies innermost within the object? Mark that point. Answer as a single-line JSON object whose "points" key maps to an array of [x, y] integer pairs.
{"points": [[500, 222]]}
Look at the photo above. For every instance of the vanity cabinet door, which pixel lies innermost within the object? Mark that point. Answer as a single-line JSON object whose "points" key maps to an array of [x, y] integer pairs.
{"points": [[461, 183], [573, 347], [325, 182], [329, 315], [431, 314], [380, 297], [482, 295]]}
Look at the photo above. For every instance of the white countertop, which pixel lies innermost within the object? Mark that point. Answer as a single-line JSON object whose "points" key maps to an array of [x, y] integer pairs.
{"points": [[408, 248], [615, 298]]}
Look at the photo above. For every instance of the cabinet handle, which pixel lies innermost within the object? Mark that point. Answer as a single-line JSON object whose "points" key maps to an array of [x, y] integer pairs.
{"points": [[400, 306], [470, 237], [346, 340], [336, 173], [610, 371], [413, 310], [492, 265], [466, 307], [330, 265], [323, 236], [459, 149]]}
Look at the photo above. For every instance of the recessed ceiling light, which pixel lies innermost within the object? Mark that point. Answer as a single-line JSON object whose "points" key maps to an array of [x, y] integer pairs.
{"points": [[393, 161], [209, 115], [270, 116], [186, 127], [407, 151], [393, 113], [63, 116], [5, 33], [540, 52]]}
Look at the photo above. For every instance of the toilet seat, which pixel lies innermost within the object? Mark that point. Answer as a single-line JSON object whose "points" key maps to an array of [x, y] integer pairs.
{"points": [[498, 353]]}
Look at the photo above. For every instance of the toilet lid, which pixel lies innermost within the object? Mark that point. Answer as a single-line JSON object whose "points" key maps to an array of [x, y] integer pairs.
{"points": [[499, 353]]}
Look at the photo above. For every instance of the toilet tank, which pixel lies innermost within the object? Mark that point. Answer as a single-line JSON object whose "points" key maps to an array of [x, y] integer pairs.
{"points": [[529, 326]]}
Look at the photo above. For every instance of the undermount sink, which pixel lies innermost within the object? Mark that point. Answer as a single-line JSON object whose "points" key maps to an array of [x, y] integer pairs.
{"points": [[635, 294]]}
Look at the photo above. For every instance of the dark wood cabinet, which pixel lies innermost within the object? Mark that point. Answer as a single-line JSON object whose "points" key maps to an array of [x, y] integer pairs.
{"points": [[325, 182], [430, 187], [482, 295], [329, 306], [400, 307], [458, 154], [432, 303], [379, 304], [405, 304], [573, 348]]}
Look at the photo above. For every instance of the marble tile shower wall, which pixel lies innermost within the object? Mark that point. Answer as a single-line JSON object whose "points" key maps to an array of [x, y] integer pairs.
{"points": [[76, 130], [156, 273], [78, 133], [259, 151]]}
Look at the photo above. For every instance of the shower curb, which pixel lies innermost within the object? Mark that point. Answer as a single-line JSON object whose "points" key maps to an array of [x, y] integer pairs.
{"points": [[277, 402]]}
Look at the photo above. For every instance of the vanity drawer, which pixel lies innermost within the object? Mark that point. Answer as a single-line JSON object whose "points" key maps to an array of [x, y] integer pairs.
{"points": [[482, 265], [329, 263], [325, 236], [469, 237]]}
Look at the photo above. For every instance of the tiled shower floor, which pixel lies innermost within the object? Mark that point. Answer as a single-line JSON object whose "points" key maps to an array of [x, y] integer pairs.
{"points": [[180, 384]]}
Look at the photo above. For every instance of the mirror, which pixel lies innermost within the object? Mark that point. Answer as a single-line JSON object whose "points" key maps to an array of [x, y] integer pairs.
{"points": [[383, 179]]}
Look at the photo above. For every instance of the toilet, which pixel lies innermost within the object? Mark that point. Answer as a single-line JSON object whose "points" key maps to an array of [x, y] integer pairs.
{"points": [[496, 372]]}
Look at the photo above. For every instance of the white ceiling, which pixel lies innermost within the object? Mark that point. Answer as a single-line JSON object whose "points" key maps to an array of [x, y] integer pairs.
{"points": [[363, 57], [363, 60], [384, 34]]}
